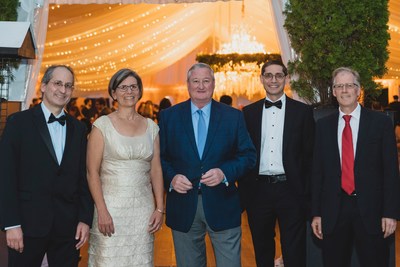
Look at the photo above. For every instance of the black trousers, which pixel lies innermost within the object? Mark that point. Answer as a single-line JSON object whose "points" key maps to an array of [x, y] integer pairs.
{"points": [[269, 203], [61, 252], [372, 249]]}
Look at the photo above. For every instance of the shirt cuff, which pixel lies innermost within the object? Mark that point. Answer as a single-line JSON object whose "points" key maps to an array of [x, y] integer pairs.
{"points": [[225, 181], [12, 227]]}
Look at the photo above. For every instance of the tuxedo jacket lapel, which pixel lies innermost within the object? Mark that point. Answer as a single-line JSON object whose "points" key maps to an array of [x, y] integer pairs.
{"points": [[69, 137], [257, 127], [287, 124], [41, 125]]}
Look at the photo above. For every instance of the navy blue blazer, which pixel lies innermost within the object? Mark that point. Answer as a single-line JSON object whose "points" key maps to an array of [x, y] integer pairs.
{"points": [[375, 171], [228, 147]]}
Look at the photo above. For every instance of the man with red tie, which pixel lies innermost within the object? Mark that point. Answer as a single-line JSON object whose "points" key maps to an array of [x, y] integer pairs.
{"points": [[355, 181]]}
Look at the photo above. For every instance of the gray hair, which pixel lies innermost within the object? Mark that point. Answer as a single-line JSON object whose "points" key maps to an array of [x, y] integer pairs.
{"points": [[199, 65], [48, 75], [356, 75]]}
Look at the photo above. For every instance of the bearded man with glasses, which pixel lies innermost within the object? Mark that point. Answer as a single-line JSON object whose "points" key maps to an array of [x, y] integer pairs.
{"points": [[282, 131]]}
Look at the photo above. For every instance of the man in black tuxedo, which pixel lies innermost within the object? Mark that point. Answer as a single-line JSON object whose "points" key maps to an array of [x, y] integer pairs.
{"points": [[355, 181], [282, 131], [45, 204]]}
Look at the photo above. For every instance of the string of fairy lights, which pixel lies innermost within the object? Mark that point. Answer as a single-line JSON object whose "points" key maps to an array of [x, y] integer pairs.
{"points": [[96, 40]]}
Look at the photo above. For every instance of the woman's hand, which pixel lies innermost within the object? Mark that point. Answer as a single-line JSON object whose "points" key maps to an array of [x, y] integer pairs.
{"points": [[156, 221], [105, 223]]}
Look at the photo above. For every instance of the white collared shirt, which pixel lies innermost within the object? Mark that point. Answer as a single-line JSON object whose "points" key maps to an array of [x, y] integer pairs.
{"points": [[57, 132], [273, 120], [354, 124]]}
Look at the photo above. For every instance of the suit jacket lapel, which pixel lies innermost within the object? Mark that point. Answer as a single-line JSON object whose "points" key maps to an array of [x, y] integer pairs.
{"points": [[332, 133], [41, 125], [215, 116], [186, 115], [362, 135]]}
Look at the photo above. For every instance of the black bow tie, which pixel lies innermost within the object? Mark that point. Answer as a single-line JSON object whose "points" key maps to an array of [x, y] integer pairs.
{"points": [[269, 104], [61, 119]]}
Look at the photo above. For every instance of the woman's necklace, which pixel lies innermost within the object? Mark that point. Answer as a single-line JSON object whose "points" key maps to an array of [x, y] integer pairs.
{"points": [[131, 118]]}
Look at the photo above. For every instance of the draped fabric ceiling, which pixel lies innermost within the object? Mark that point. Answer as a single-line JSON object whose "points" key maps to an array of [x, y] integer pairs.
{"points": [[159, 41]]}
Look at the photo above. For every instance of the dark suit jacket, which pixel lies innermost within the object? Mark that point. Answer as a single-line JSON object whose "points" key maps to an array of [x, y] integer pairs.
{"points": [[375, 168], [298, 137], [227, 147], [36, 192]]}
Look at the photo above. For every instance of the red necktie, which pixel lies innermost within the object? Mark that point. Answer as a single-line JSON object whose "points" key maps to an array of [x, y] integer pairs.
{"points": [[347, 157]]}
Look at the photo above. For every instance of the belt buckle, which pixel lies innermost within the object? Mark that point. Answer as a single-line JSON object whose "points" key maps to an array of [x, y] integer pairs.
{"points": [[272, 179]]}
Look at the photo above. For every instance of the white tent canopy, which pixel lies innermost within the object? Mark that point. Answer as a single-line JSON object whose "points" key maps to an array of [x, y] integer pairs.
{"points": [[161, 40]]}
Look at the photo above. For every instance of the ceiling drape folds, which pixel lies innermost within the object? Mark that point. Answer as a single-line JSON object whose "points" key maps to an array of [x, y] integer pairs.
{"points": [[85, 2], [98, 37], [97, 40]]}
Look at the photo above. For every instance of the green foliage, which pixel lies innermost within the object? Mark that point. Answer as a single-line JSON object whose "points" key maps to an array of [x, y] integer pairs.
{"points": [[6, 68], [327, 34], [218, 61], [8, 10]]}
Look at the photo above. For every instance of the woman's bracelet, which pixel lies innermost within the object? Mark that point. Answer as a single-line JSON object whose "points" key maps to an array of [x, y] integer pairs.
{"points": [[160, 211]]}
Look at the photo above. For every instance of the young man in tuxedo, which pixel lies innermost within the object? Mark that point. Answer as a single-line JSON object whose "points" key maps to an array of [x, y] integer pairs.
{"points": [[45, 204], [355, 182], [282, 131]]}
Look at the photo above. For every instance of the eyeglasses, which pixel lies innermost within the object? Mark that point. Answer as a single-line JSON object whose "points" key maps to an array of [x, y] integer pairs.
{"points": [[278, 76], [60, 84], [132, 87], [342, 86]]}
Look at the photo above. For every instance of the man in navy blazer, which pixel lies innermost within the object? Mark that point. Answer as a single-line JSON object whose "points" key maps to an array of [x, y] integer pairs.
{"points": [[201, 192], [45, 203], [356, 192], [282, 130]]}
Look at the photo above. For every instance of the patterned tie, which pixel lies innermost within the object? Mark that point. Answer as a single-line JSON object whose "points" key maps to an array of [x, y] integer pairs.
{"points": [[201, 133], [347, 157]]}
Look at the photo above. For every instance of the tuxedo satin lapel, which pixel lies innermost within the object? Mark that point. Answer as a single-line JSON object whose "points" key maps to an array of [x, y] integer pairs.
{"points": [[69, 137], [186, 115], [290, 115], [362, 135], [258, 119], [215, 117], [41, 125]]}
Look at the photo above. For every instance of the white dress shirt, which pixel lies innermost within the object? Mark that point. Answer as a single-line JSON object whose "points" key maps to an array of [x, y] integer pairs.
{"points": [[273, 120], [354, 124], [57, 132]]}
